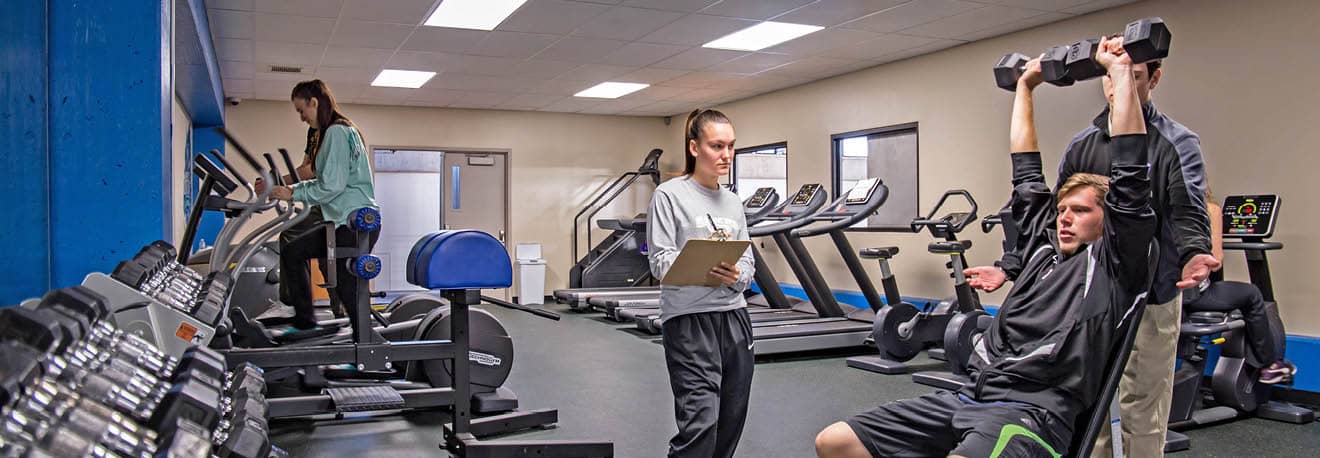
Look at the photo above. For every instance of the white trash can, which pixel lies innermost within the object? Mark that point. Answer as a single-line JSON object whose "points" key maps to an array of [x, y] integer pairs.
{"points": [[531, 273]]}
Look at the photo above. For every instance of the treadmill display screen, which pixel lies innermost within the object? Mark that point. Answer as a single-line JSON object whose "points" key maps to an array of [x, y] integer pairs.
{"points": [[861, 192], [760, 198], [1250, 216], [804, 194]]}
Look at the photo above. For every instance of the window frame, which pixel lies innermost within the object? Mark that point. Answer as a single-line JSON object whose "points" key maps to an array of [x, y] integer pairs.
{"points": [[733, 169], [836, 163]]}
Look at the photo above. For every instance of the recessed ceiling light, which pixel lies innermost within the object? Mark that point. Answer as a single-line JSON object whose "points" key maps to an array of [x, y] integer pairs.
{"points": [[472, 14], [402, 78], [611, 90], [761, 36]]}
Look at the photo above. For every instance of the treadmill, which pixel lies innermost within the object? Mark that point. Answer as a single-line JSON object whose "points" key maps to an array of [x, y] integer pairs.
{"points": [[794, 213], [626, 309]]}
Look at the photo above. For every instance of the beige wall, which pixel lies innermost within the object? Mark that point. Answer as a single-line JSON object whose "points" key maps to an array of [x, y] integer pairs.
{"points": [[1236, 77], [180, 128], [556, 160]]}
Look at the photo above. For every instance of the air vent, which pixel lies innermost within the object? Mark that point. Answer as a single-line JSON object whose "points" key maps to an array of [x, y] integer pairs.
{"points": [[281, 69]]}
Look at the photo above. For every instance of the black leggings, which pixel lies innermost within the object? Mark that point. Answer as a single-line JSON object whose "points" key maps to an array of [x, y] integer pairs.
{"points": [[294, 270], [1226, 296]]}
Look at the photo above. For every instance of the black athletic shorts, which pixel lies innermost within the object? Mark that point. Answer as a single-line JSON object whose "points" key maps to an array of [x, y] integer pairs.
{"points": [[944, 423]]}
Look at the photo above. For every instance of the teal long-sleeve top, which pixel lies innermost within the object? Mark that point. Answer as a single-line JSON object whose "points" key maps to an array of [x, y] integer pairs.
{"points": [[343, 180]]}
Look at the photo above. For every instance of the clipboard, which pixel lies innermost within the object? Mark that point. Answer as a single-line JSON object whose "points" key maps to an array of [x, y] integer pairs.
{"points": [[698, 257]]}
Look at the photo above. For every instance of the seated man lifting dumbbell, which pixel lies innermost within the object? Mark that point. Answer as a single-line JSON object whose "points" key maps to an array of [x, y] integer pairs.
{"points": [[1041, 364]]}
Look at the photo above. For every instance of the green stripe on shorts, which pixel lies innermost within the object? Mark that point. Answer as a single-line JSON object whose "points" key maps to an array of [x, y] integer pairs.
{"points": [[1008, 432]]}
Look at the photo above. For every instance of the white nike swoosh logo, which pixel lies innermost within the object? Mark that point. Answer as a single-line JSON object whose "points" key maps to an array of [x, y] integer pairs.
{"points": [[750, 345]]}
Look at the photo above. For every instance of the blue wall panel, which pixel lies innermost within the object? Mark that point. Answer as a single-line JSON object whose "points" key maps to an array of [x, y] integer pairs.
{"points": [[110, 95], [25, 242]]}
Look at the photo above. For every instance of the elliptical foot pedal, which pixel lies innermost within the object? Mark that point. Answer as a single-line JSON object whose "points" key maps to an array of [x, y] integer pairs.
{"points": [[1176, 442], [942, 380], [365, 398], [879, 365], [296, 336], [936, 353], [498, 401]]}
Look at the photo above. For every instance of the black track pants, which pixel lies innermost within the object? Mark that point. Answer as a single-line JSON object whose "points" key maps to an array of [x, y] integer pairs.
{"points": [[710, 362]]}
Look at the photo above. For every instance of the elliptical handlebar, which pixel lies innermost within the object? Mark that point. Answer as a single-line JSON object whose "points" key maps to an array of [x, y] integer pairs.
{"points": [[865, 212], [989, 222], [288, 164]]}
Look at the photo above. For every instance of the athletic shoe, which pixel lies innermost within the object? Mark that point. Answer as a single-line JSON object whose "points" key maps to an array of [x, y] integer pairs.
{"points": [[292, 330], [1280, 372]]}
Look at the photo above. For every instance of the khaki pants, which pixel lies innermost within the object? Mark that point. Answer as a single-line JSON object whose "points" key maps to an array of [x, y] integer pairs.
{"points": [[1146, 390]]}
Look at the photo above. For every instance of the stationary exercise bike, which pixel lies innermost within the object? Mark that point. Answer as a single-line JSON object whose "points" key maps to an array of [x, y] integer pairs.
{"points": [[1235, 390], [903, 330]]}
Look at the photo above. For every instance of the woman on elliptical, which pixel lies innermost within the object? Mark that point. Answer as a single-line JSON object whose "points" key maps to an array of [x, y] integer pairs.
{"points": [[341, 184], [707, 333], [1219, 295]]}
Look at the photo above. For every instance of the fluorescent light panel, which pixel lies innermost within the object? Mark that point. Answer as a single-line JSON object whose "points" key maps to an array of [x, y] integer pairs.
{"points": [[472, 14], [611, 90], [761, 36], [402, 78]]}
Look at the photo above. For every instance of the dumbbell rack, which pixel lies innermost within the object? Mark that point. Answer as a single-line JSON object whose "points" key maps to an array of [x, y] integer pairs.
{"points": [[73, 384]]}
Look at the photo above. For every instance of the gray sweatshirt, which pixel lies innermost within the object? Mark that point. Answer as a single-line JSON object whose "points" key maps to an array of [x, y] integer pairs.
{"points": [[678, 213]]}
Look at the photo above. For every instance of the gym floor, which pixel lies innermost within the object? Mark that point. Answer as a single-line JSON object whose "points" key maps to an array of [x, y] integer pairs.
{"points": [[609, 383]]}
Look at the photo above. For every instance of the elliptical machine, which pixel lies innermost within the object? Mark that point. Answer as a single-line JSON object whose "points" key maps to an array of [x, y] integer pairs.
{"points": [[1235, 389], [944, 329]]}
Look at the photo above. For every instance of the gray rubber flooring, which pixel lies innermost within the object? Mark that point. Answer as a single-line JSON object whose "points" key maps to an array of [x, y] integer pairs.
{"points": [[609, 383]]}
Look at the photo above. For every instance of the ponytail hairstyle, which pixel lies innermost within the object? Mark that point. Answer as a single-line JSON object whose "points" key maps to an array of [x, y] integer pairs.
{"points": [[327, 111], [696, 122]]}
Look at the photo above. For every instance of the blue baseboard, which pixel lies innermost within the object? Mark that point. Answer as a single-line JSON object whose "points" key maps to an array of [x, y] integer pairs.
{"points": [[1303, 351]]}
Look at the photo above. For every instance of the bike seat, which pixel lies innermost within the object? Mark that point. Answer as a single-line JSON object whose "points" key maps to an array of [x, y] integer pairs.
{"points": [[1206, 323], [884, 252], [956, 246]]}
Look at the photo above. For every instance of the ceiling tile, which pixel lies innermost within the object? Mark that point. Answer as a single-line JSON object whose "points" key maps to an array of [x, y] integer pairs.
{"points": [[580, 49], [927, 49], [236, 85], [971, 21], [272, 90], [426, 61], [551, 16], [595, 73], [766, 83], [698, 96], [440, 39], [701, 80], [639, 54], [753, 9], [513, 44], [289, 78], [911, 14], [293, 29], [236, 70], [686, 6], [559, 87], [1043, 5], [435, 97], [616, 106], [470, 98], [623, 23], [493, 66], [343, 56], [543, 69], [362, 34], [386, 95], [652, 75], [1096, 5], [811, 66], [657, 93], [231, 24], [338, 76], [462, 82], [697, 29], [698, 59], [829, 13], [755, 62], [1043, 18], [533, 101], [666, 108], [293, 54], [313, 8], [411, 12], [885, 44], [571, 105], [233, 49], [240, 5], [824, 41]]}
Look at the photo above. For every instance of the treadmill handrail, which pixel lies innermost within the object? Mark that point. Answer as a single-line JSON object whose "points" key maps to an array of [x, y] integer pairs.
{"points": [[814, 207], [852, 218]]}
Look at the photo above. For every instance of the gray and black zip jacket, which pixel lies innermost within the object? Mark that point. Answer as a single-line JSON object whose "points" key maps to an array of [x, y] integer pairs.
{"points": [[1051, 339], [1177, 180]]}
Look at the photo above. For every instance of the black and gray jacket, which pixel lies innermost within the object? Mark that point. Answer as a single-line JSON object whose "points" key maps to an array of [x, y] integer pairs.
{"points": [[1051, 339], [1177, 180]]}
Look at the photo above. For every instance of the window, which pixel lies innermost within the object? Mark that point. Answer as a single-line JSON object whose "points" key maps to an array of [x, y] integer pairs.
{"points": [[887, 153], [759, 167]]}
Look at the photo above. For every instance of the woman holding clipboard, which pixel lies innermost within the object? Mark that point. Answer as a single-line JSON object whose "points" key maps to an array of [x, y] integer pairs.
{"points": [[707, 333]]}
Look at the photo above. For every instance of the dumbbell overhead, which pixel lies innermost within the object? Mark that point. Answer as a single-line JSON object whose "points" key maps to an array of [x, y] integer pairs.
{"points": [[1144, 40]]}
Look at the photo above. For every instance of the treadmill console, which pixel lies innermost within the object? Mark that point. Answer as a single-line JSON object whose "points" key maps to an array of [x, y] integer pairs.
{"points": [[861, 192], [805, 194], [760, 198], [1250, 216]]}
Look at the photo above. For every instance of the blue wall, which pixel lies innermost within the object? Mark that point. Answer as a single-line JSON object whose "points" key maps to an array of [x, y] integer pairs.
{"points": [[1303, 351], [25, 241]]}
